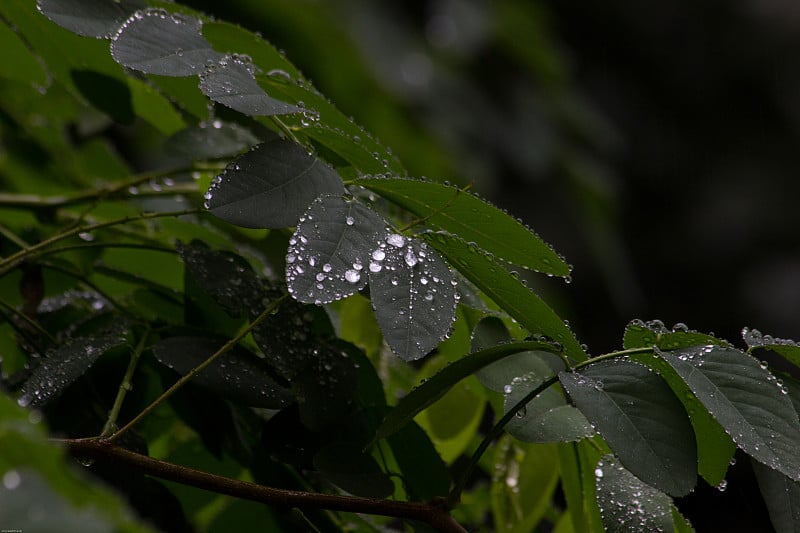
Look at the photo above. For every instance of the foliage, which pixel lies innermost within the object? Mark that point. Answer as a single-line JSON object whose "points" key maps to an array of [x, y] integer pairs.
{"points": [[211, 311]]}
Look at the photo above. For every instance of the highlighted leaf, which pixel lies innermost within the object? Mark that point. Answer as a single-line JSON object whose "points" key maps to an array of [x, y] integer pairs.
{"points": [[90, 18], [271, 186]]}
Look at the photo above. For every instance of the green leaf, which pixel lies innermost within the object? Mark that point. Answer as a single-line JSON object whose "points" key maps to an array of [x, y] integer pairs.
{"points": [[19, 63], [325, 390], [745, 399], [782, 496], [238, 374], [413, 294], [332, 249], [62, 367], [90, 18], [271, 186], [546, 418], [714, 447], [436, 386], [643, 422], [232, 83], [157, 42], [448, 208], [523, 483], [425, 475], [211, 141], [682, 524], [506, 290], [153, 107], [640, 334], [352, 470], [231, 39], [227, 277], [787, 348], [628, 505]]}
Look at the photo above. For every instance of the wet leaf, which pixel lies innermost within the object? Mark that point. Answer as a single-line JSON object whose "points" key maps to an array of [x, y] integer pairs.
{"points": [[19, 62], [238, 374], [640, 334], [232, 83], [211, 140], [90, 18], [325, 390], [640, 418], [787, 348], [546, 418], [506, 290], [227, 277], [448, 208], [336, 243], [271, 186], [435, 387], [62, 367], [413, 294], [750, 404], [157, 42], [782, 496], [628, 505], [352, 470]]}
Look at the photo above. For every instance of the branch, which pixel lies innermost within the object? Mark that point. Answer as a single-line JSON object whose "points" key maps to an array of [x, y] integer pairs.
{"points": [[433, 513]]}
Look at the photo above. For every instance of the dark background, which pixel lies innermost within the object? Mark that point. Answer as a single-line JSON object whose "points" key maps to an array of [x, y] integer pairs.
{"points": [[654, 144]]}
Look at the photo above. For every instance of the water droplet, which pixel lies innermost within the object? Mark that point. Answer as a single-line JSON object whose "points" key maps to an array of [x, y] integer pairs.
{"points": [[352, 276], [598, 472], [722, 485], [350, 221], [396, 240], [375, 267], [11, 479], [410, 258], [378, 255], [508, 389]]}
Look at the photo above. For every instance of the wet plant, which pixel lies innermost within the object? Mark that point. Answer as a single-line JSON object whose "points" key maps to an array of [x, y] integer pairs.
{"points": [[283, 315]]}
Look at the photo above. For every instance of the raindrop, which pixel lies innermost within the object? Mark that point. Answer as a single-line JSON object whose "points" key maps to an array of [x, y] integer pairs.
{"points": [[350, 221], [396, 240], [11, 479], [375, 267], [378, 255], [598, 472], [410, 258], [352, 276]]}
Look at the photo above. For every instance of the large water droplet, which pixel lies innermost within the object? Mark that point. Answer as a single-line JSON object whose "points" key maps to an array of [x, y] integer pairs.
{"points": [[352, 276]]}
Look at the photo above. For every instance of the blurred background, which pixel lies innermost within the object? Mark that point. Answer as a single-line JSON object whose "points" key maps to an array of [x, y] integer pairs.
{"points": [[654, 144]]}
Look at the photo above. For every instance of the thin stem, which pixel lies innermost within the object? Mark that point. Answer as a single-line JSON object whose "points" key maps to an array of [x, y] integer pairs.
{"points": [[29, 321], [432, 512], [13, 260], [439, 210], [13, 237], [126, 385], [284, 128], [455, 495], [612, 355], [199, 368]]}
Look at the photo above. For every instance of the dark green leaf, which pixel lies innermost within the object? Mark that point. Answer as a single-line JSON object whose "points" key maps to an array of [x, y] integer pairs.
{"points": [[332, 249], [271, 186], [425, 475], [62, 367], [782, 496], [450, 209], [90, 18], [506, 290], [413, 294], [325, 390], [435, 387], [238, 374], [157, 42], [643, 422], [746, 400], [640, 334], [232, 83], [626, 504], [491, 331], [546, 418], [788, 348], [226, 277], [19, 63], [352, 470], [211, 141]]}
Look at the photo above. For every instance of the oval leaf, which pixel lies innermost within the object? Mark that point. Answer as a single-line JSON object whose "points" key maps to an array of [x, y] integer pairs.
{"points": [[640, 334], [643, 422], [459, 212], [413, 294], [782, 496], [232, 83], [271, 186], [352, 470], [157, 42], [90, 18], [238, 374], [332, 249], [62, 367], [211, 140], [749, 403], [506, 290], [627, 504]]}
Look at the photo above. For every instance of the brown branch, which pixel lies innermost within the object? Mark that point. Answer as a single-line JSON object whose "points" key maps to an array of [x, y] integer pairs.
{"points": [[434, 513]]}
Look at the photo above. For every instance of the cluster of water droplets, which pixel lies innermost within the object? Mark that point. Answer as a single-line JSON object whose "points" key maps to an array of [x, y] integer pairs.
{"points": [[626, 503], [755, 339]]}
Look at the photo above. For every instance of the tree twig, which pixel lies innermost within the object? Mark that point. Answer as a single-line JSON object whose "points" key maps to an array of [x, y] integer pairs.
{"points": [[434, 513]]}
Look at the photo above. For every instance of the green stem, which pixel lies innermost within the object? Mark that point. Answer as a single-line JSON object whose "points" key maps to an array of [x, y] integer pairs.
{"points": [[455, 495], [199, 368], [284, 128], [13, 260], [13, 237], [125, 386]]}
